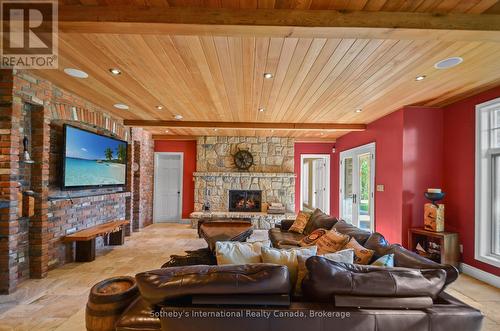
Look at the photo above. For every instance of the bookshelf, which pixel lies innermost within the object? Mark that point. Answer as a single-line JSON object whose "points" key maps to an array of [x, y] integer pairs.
{"points": [[441, 247]]}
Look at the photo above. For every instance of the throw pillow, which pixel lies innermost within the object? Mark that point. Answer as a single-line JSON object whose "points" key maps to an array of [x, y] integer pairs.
{"points": [[331, 242], [287, 257], [319, 220], [300, 222], [234, 252], [345, 256], [385, 261], [361, 255], [311, 239]]}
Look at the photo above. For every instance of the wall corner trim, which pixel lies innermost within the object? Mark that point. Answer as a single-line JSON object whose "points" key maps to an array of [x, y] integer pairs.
{"points": [[480, 275]]}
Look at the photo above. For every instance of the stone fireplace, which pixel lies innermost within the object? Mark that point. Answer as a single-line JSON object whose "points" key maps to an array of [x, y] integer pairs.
{"points": [[271, 175]]}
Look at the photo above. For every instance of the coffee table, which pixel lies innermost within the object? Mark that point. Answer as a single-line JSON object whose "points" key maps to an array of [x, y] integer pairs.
{"points": [[225, 231]]}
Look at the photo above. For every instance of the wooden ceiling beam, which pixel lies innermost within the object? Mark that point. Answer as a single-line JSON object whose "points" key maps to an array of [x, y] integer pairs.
{"points": [[247, 125], [126, 19], [191, 137]]}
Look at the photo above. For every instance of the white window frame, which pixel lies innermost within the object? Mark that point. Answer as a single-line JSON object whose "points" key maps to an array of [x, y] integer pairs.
{"points": [[483, 245]]}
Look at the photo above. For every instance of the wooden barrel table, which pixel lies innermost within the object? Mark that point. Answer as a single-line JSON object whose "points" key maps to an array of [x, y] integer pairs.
{"points": [[107, 301]]}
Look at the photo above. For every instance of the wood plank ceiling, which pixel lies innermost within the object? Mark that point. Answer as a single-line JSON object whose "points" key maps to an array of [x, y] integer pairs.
{"points": [[220, 78], [453, 6]]}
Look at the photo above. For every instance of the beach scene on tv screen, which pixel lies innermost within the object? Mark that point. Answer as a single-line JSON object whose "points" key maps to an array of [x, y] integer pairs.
{"points": [[93, 160]]}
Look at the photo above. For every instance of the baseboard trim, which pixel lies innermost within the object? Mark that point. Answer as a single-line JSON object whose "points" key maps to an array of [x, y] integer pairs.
{"points": [[480, 274]]}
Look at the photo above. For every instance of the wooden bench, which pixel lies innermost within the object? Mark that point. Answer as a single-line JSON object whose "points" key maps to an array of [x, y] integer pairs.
{"points": [[85, 239]]}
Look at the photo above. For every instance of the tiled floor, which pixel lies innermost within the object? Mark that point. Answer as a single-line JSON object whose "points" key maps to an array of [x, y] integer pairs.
{"points": [[58, 301]]}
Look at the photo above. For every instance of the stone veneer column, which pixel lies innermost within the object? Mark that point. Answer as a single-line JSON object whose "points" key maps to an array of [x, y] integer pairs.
{"points": [[9, 185], [38, 227]]}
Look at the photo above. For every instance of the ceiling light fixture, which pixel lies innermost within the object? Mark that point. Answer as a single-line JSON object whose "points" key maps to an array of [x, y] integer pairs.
{"points": [[121, 106], [215, 129], [76, 73], [178, 117], [448, 63], [268, 75], [261, 110], [159, 107], [419, 78], [115, 71], [166, 131], [359, 110]]}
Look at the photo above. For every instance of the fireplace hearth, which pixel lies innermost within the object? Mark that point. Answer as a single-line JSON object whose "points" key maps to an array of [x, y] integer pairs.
{"points": [[245, 200]]}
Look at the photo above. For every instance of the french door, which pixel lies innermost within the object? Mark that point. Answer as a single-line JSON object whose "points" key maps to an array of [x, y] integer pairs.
{"points": [[357, 181]]}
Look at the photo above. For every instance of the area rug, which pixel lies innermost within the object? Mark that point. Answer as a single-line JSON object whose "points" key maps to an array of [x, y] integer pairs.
{"points": [[200, 256]]}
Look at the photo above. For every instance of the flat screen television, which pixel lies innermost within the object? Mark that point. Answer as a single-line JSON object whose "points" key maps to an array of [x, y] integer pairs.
{"points": [[92, 160]]}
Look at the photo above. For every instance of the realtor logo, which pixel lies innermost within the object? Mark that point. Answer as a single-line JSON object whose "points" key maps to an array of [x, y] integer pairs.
{"points": [[29, 34]]}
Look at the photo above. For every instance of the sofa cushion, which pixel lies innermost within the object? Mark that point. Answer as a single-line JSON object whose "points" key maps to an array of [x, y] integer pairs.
{"points": [[331, 242], [327, 278], [360, 235], [312, 238], [139, 316], [361, 255], [276, 235], [319, 220], [377, 243], [235, 252], [288, 258], [346, 256], [300, 222], [168, 284]]}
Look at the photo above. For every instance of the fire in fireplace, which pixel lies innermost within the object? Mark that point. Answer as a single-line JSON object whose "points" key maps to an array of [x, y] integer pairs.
{"points": [[245, 200]]}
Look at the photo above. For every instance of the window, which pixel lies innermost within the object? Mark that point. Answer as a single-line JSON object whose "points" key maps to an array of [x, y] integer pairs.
{"points": [[487, 246]]}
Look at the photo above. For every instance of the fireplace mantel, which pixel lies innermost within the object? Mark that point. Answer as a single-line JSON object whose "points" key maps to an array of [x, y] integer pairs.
{"points": [[246, 174]]}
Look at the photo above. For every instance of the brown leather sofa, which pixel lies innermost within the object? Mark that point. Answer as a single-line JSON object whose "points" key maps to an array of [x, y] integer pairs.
{"points": [[257, 297], [281, 238], [336, 296]]}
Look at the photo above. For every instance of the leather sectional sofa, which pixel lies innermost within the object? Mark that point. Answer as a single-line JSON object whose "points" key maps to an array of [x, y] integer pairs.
{"points": [[336, 296]]}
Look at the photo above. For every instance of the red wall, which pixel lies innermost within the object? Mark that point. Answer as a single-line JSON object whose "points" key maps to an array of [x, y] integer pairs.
{"points": [[188, 147], [459, 172], [422, 161], [315, 148], [387, 134]]}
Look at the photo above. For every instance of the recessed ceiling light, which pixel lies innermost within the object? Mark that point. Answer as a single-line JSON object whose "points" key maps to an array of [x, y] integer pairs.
{"points": [[261, 110], [178, 117], [322, 133], [159, 107], [359, 110], [115, 71], [166, 131], [215, 129], [448, 63], [419, 78], [268, 75], [120, 106], [76, 73]]}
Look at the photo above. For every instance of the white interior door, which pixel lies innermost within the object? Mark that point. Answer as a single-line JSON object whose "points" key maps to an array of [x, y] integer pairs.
{"points": [[357, 182], [315, 182], [168, 187]]}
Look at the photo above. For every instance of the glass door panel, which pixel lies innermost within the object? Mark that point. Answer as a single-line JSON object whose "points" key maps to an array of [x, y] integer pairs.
{"points": [[365, 189], [347, 191]]}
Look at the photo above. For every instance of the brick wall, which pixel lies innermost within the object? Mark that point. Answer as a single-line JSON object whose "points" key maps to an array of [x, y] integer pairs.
{"points": [[143, 154], [9, 186], [37, 109]]}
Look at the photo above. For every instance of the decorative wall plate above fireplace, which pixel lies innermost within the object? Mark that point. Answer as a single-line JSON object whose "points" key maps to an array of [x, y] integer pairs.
{"points": [[243, 159]]}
